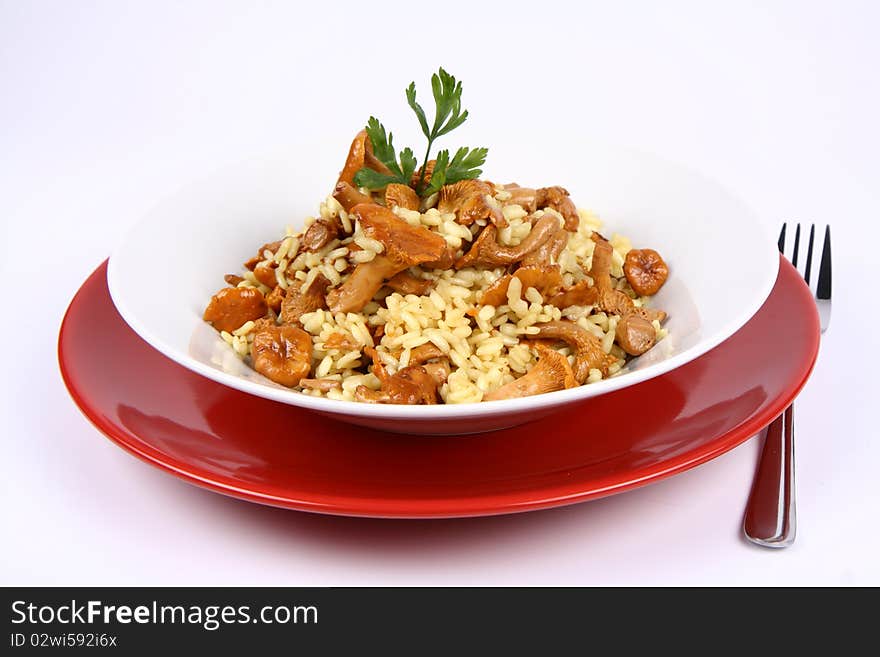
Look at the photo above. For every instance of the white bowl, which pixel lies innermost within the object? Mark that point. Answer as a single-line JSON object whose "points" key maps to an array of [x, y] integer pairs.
{"points": [[722, 265]]}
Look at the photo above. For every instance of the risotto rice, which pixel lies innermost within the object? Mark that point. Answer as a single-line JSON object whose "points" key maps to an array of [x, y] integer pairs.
{"points": [[487, 346]]}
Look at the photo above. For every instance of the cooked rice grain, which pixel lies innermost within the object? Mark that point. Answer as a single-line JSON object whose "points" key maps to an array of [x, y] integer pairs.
{"points": [[481, 342]]}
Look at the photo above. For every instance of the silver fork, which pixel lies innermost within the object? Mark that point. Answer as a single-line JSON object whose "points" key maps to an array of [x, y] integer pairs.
{"points": [[771, 518]]}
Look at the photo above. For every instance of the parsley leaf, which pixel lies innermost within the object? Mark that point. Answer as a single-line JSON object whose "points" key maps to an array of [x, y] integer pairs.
{"points": [[383, 149], [462, 167], [408, 163], [383, 145], [438, 175], [373, 179], [420, 113], [464, 164], [448, 115]]}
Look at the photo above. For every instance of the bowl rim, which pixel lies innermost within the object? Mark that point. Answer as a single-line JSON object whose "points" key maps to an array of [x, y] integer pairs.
{"points": [[448, 411]]}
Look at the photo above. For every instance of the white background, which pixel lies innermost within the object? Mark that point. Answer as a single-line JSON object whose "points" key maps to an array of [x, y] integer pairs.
{"points": [[105, 107]]}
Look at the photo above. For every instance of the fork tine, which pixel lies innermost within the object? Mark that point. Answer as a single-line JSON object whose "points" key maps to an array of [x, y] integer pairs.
{"points": [[809, 254], [781, 241], [823, 286], [797, 241]]}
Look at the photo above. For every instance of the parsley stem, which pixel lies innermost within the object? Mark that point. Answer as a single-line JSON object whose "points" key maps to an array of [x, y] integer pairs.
{"points": [[421, 186]]}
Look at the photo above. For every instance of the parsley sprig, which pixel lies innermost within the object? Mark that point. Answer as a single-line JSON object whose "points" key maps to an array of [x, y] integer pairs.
{"points": [[448, 116], [383, 149]]}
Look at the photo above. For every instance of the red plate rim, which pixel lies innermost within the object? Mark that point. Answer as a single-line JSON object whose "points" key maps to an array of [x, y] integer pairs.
{"points": [[459, 506]]}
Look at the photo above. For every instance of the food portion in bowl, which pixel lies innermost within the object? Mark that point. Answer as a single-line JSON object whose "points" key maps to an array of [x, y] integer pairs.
{"points": [[430, 285]]}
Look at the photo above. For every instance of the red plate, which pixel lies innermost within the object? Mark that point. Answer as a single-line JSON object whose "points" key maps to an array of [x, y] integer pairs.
{"points": [[276, 454]]}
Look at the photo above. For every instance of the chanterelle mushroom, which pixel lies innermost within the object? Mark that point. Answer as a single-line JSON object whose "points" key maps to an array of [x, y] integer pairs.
{"points": [[468, 200], [445, 261], [406, 283], [401, 195], [552, 372], [283, 354], [405, 246], [525, 197], [362, 284], [600, 270], [425, 352], [429, 171], [546, 279], [360, 155], [557, 198], [320, 384], [265, 273], [548, 253], [645, 270], [615, 302], [588, 352], [271, 247], [297, 301], [432, 358], [579, 294], [275, 298], [348, 196], [320, 233], [411, 385], [233, 306], [486, 251], [438, 370], [608, 299], [635, 334]]}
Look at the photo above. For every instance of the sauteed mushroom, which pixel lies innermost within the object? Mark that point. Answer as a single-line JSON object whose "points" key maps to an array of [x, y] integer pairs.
{"points": [[423, 353], [645, 271], [406, 283], [348, 196], [579, 294], [546, 279], [469, 201], [411, 385], [486, 251], [233, 279], [525, 197], [549, 251], [402, 196], [405, 246], [360, 155], [275, 298], [635, 334], [557, 198], [324, 385], [265, 273], [297, 302], [283, 354], [552, 372], [233, 306], [320, 234], [271, 247], [587, 347]]}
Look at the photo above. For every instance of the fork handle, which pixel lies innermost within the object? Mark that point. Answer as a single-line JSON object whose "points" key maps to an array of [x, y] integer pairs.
{"points": [[771, 518]]}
